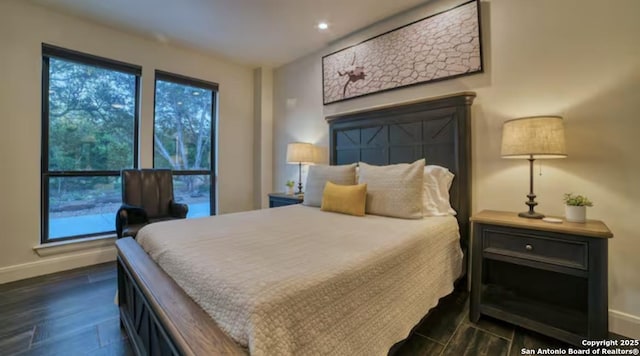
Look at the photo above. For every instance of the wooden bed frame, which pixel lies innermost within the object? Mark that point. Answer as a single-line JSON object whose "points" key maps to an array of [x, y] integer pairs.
{"points": [[161, 319]]}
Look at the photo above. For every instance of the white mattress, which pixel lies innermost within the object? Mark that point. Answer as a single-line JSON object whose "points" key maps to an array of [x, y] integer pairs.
{"points": [[299, 281]]}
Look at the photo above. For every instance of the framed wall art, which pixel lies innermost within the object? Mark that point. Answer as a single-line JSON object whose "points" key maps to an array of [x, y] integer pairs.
{"points": [[442, 46]]}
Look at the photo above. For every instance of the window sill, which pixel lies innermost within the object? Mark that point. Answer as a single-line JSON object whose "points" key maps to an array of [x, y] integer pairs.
{"points": [[56, 248]]}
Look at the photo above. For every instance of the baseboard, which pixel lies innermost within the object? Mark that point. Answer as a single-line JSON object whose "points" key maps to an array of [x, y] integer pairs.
{"points": [[57, 264], [624, 324]]}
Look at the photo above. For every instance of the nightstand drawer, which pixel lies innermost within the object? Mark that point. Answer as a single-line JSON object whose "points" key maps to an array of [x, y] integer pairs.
{"points": [[520, 244]]}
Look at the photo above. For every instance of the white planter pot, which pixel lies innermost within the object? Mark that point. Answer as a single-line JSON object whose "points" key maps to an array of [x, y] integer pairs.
{"points": [[290, 190], [575, 213]]}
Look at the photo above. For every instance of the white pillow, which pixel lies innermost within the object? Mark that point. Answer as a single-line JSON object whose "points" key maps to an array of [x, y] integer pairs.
{"points": [[319, 175], [435, 194], [394, 190]]}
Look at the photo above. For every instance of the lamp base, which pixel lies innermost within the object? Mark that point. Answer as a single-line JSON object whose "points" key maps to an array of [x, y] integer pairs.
{"points": [[531, 215]]}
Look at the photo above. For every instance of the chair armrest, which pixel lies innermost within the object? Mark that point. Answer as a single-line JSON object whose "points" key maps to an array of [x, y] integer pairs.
{"points": [[178, 210], [129, 214], [136, 214]]}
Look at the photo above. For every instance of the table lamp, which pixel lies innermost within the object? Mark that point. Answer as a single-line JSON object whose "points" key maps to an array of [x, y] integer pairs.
{"points": [[300, 153], [531, 138]]}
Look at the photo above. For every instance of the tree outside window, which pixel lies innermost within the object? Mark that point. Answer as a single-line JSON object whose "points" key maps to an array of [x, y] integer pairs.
{"points": [[183, 132], [89, 134]]}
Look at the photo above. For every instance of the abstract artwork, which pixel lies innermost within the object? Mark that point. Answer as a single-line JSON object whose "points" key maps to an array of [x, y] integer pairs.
{"points": [[438, 47]]}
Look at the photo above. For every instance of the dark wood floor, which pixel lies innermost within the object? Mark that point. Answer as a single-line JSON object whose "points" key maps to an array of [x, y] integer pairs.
{"points": [[72, 313], [448, 331], [67, 313]]}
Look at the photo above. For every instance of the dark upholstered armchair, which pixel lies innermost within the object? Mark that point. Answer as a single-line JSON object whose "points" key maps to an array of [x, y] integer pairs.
{"points": [[147, 197]]}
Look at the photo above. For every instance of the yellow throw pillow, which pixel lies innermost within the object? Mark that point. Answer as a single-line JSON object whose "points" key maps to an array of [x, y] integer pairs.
{"points": [[345, 199]]}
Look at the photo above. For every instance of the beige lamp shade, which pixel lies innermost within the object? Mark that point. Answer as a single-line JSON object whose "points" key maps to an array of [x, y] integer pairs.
{"points": [[535, 137], [300, 152]]}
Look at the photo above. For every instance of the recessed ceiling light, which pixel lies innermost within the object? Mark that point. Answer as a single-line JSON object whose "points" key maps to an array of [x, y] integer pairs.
{"points": [[323, 25], [196, 93]]}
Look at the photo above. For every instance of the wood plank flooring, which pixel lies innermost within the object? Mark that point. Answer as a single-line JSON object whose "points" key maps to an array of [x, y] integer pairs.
{"points": [[447, 331], [67, 313], [72, 313]]}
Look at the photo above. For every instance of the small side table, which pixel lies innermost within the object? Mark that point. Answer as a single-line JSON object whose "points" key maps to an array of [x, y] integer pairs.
{"points": [[282, 199], [550, 278]]}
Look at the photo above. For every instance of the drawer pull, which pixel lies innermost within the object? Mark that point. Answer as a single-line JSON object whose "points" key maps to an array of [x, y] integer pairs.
{"points": [[529, 247]]}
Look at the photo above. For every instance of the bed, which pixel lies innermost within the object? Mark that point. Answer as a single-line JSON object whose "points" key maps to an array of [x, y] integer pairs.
{"points": [[268, 295]]}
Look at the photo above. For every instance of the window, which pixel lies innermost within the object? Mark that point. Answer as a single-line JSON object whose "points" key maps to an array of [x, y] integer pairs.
{"points": [[184, 124], [89, 133]]}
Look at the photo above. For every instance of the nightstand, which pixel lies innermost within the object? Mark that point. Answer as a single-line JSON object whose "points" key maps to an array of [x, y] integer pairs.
{"points": [[282, 199], [546, 277]]}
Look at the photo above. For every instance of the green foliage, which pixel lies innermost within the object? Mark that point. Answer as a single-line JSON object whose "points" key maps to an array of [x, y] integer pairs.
{"points": [[290, 183], [576, 200], [182, 134], [91, 118], [63, 190], [91, 127]]}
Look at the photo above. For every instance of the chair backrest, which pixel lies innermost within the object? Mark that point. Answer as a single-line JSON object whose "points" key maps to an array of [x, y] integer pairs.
{"points": [[151, 189]]}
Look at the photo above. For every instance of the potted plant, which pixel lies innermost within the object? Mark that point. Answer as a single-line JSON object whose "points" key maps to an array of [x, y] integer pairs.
{"points": [[290, 184], [576, 207]]}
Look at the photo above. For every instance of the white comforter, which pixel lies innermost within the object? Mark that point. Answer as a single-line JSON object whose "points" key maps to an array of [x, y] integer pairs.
{"points": [[300, 281]]}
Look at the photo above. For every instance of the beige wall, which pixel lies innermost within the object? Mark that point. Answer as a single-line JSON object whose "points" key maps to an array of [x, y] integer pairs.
{"points": [[262, 136], [575, 58], [23, 28]]}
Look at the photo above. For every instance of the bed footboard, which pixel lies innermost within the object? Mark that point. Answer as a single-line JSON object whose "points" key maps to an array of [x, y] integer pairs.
{"points": [[158, 316]]}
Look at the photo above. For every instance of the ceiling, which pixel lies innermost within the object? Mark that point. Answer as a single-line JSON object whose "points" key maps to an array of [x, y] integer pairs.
{"points": [[253, 32]]}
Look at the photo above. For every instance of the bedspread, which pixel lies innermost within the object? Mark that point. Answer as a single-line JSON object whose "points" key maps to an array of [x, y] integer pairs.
{"points": [[299, 281]]}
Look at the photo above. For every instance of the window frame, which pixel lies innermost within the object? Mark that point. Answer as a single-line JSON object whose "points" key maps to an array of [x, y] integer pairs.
{"points": [[202, 84], [48, 52]]}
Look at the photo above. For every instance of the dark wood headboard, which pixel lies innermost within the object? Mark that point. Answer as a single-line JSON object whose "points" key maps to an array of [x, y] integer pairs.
{"points": [[436, 129]]}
